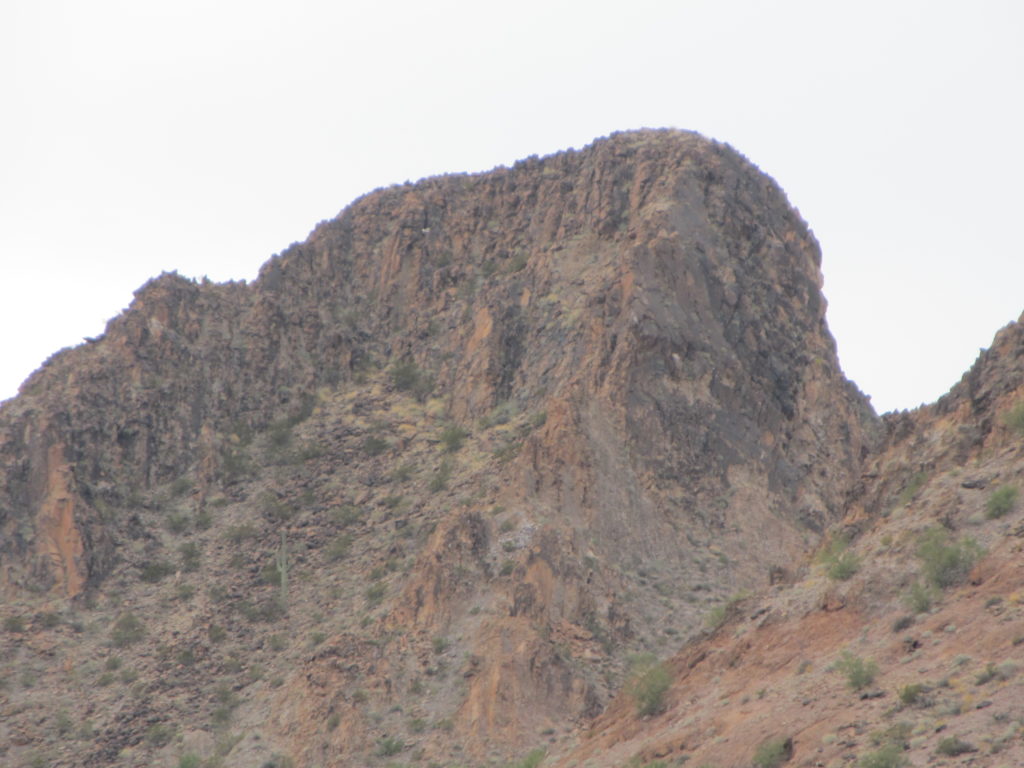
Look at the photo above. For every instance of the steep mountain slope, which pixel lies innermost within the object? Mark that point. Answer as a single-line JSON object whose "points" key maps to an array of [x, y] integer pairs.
{"points": [[904, 648], [422, 489]]}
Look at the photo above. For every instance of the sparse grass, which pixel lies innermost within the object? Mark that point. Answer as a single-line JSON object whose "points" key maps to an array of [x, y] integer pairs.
{"points": [[945, 562], [773, 752], [649, 682], [860, 673], [1001, 502]]}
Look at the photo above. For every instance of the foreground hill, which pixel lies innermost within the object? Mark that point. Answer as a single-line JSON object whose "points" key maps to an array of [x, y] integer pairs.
{"points": [[434, 486]]}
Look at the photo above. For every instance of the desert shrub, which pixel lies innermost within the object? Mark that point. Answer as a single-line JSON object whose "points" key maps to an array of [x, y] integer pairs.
{"points": [[177, 522], [860, 673], [402, 473], [920, 597], [911, 694], [913, 485], [344, 515], [189, 556], [190, 760], [649, 682], [14, 624], [236, 534], [440, 479], [452, 438], [441, 644], [1001, 502], [374, 445], [407, 377], [889, 756], [532, 760], [236, 464], [902, 623], [945, 562], [159, 735], [63, 723], [844, 567], [773, 752], [203, 520], [375, 594], [216, 633], [1014, 418], [155, 571], [951, 746], [390, 746], [127, 629], [338, 549]]}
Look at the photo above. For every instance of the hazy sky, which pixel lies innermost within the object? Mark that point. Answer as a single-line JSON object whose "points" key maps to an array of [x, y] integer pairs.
{"points": [[144, 136]]}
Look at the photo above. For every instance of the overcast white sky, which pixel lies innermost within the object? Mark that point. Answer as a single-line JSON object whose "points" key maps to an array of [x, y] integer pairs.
{"points": [[206, 135]]}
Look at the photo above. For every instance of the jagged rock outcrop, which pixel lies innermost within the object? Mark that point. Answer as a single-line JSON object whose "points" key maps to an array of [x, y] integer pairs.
{"points": [[644, 319]]}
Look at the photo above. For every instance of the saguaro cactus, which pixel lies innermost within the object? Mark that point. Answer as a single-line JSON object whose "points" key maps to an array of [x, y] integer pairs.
{"points": [[281, 559]]}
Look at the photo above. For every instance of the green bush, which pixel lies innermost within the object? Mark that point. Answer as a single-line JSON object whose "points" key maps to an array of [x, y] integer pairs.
{"points": [[177, 522], [951, 746], [407, 377], [189, 556], [532, 760], [843, 567], [452, 438], [920, 597], [945, 562], [1014, 418], [840, 564], [155, 571], [390, 746], [860, 673], [127, 629], [374, 445], [236, 534], [440, 479], [911, 694], [889, 756], [773, 752], [649, 682], [375, 594], [1001, 502], [338, 549]]}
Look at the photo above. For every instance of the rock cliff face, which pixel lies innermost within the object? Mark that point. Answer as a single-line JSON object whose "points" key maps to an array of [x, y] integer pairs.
{"points": [[525, 422]]}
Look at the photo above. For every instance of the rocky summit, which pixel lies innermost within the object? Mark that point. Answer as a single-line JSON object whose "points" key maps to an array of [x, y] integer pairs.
{"points": [[553, 464]]}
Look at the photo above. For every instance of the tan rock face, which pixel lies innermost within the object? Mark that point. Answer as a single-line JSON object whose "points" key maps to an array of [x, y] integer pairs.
{"points": [[641, 319]]}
